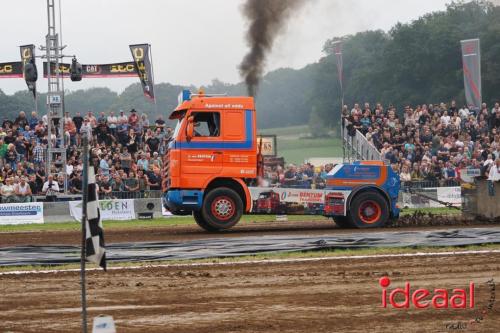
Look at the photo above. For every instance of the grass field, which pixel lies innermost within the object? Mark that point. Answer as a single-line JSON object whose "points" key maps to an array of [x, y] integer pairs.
{"points": [[295, 147]]}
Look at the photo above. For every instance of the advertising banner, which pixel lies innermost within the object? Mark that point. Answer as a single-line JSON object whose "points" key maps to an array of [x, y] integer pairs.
{"points": [[13, 69], [111, 210], [468, 175], [142, 60], [116, 70], [451, 195], [27, 56], [21, 213], [471, 59], [278, 200]]}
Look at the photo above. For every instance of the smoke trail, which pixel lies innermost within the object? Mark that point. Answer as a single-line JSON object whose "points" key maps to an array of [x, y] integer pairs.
{"points": [[267, 19]]}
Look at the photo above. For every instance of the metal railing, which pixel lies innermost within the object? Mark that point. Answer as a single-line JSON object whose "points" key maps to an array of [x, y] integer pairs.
{"points": [[357, 147], [149, 194]]}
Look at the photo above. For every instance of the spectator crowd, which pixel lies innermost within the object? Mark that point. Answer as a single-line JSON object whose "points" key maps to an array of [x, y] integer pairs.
{"points": [[126, 147], [430, 143]]}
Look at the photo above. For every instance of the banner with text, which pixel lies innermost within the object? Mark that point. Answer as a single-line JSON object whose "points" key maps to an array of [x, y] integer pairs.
{"points": [[113, 209], [21, 213], [28, 56], [142, 60], [471, 58], [117, 70], [13, 69]]}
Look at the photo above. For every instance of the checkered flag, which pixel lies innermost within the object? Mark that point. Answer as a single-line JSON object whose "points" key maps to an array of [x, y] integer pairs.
{"points": [[94, 246]]}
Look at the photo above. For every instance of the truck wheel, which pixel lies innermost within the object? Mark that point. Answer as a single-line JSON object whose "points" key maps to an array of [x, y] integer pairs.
{"points": [[222, 208], [200, 221], [368, 210], [342, 222]]}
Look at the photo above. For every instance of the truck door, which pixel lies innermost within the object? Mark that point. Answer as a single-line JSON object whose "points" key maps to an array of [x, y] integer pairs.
{"points": [[239, 155], [204, 154]]}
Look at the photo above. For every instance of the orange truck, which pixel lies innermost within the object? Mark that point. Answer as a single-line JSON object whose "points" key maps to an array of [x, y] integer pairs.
{"points": [[212, 166]]}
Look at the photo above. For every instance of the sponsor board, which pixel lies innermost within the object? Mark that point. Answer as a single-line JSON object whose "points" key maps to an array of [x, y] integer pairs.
{"points": [[115, 209], [21, 213], [289, 201], [468, 175], [451, 195]]}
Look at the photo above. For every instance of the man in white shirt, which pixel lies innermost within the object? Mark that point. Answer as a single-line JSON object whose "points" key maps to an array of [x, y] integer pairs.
{"points": [[7, 191], [23, 191], [445, 119], [112, 122], [50, 188], [122, 117], [493, 176], [464, 113]]}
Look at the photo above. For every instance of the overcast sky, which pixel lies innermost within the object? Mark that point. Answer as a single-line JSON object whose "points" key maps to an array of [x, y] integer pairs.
{"points": [[193, 41]]}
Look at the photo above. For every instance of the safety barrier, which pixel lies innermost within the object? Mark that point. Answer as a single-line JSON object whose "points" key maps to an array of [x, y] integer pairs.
{"points": [[359, 146]]}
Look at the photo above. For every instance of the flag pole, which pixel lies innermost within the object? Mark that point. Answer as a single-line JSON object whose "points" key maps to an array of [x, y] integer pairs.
{"points": [[153, 78], [85, 142]]}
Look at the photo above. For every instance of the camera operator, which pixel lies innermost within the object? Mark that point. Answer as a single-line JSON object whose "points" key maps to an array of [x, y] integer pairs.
{"points": [[50, 188]]}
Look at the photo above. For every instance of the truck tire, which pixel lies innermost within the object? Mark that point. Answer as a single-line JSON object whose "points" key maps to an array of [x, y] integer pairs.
{"points": [[222, 208], [200, 221], [368, 210], [342, 222]]}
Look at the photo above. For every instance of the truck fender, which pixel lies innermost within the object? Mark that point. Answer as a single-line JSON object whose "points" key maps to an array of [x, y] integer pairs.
{"points": [[368, 187], [248, 196], [223, 182]]}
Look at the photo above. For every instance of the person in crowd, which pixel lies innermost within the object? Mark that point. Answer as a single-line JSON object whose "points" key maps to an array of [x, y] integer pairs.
{"points": [[75, 182], [86, 129], [131, 183], [493, 176], [133, 119], [105, 188], [50, 188], [291, 176], [143, 162], [23, 191], [112, 121], [60, 183], [8, 191]]}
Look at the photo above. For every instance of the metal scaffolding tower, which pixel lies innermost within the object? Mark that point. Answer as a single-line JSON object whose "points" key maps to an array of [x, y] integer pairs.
{"points": [[55, 96]]}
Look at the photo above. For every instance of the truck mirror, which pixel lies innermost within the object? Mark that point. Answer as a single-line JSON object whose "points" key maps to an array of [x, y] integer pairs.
{"points": [[190, 128]]}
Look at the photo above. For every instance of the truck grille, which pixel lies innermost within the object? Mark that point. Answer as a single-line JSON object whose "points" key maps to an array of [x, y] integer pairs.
{"points": [[166, 172]]}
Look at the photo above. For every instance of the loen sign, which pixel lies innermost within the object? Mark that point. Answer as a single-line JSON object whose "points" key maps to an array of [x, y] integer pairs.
{"points": [[111, 210]]}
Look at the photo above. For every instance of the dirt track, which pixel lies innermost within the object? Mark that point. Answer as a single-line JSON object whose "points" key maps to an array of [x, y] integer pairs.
{"points": [[327, 296], [191, 232]]}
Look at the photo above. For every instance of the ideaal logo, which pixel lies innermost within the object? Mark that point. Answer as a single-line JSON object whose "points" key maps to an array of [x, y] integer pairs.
{"points": [[423, 298], [440, 298]]}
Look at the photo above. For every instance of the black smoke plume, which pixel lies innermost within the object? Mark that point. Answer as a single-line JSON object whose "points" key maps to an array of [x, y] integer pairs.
{"points": [[267, 19]]}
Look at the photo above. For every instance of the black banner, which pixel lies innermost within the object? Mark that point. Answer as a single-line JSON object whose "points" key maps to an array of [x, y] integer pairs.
{"points": [[117, 70], [12, 69], [142, 60], [28, 55]]}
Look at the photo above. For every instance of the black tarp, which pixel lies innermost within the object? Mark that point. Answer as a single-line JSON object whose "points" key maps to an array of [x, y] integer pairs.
{"points": [[231, 247]]}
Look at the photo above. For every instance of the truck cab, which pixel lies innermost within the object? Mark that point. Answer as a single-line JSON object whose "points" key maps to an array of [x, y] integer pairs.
{"points": [[212, 158]]}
